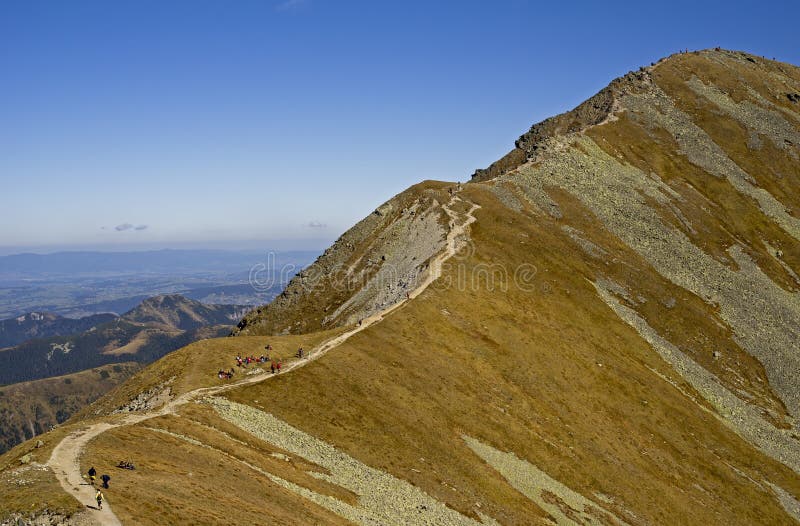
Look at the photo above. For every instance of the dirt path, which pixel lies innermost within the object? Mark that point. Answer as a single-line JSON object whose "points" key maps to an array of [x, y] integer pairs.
{"points": [[65, 462], [65, 459]]}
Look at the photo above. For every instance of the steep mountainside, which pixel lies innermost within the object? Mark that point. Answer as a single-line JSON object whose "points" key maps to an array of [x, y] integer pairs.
{"points": [[371, 266], [601, 328], [29, 409], [44, 325]]}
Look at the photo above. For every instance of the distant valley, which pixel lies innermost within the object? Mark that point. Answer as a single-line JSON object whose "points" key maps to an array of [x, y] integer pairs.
{"points": [[52, 366], [79, 284]]}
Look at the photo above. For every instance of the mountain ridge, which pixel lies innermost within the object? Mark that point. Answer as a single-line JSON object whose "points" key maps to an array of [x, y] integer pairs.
{"points": [[613, 340], [32, 325]]}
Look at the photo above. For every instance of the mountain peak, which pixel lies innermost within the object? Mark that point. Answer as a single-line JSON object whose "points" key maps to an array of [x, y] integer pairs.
{"points": [[179, 312], [608, 102], [601, 329]]}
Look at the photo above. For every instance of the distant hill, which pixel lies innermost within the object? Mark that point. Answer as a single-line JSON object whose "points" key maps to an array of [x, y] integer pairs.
{"points": [[157, 326], [34, 400], [44, 325], [177, 312]]}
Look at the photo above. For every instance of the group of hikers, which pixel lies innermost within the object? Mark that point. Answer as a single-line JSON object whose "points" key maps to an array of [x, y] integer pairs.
{"points": [[93, 478], [275, 365], [247, 360], [99, 497]]}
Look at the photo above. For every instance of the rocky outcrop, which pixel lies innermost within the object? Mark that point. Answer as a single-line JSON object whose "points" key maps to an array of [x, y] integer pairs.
{"points": [[589, 113], [371, 266]]}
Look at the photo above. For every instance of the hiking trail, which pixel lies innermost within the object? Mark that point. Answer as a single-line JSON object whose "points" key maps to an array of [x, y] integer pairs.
{"points": [[65, 459]]}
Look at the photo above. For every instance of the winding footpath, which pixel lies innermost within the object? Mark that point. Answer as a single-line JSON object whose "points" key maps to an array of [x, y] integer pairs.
{"points": [[65, 459]]}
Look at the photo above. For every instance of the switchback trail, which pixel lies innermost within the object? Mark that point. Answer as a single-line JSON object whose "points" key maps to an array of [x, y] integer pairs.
{"points": [[65, 459]]}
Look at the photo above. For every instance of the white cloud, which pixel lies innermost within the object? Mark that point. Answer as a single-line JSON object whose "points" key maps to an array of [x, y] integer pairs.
{"points": [[316, 224], [124, 227]]}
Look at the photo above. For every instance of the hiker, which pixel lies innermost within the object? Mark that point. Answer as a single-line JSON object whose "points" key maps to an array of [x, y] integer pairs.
{"points": [[92, 474], [272, 367], [105, 478], [279, 366], [300, 352], [99, 497]]}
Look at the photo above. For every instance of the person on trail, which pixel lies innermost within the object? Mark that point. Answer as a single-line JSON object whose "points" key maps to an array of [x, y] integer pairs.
{"points": [[105, 479], [99, 498], [279, 366], [300, 352], [272, 367], [92, 474]]}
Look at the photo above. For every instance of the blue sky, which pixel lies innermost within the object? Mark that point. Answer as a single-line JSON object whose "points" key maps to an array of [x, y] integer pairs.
{"points": [[281, 123]]}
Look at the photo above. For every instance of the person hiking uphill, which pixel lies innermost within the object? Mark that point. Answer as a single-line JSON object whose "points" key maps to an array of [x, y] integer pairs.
{"points": [[92, 474], [99, 497], [105, 479]]}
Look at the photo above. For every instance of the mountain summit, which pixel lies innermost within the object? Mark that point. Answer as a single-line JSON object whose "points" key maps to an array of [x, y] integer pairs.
{"points": [[600, 328]]}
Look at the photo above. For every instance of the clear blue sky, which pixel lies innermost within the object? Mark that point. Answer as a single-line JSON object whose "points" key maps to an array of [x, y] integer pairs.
{"points": [[245, 122]]}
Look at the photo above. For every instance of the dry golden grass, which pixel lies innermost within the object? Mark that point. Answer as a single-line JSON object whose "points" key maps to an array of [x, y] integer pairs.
{"points": [[774, 169], [547, 371], [520, 370], [177, 482], [27, 408], [40, 490], [551, 374], [197, 364]]}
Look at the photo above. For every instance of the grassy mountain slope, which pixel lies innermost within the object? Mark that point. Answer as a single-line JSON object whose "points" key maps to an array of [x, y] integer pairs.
{"points": [[52, 378], [615, 341], [29, 409]]}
